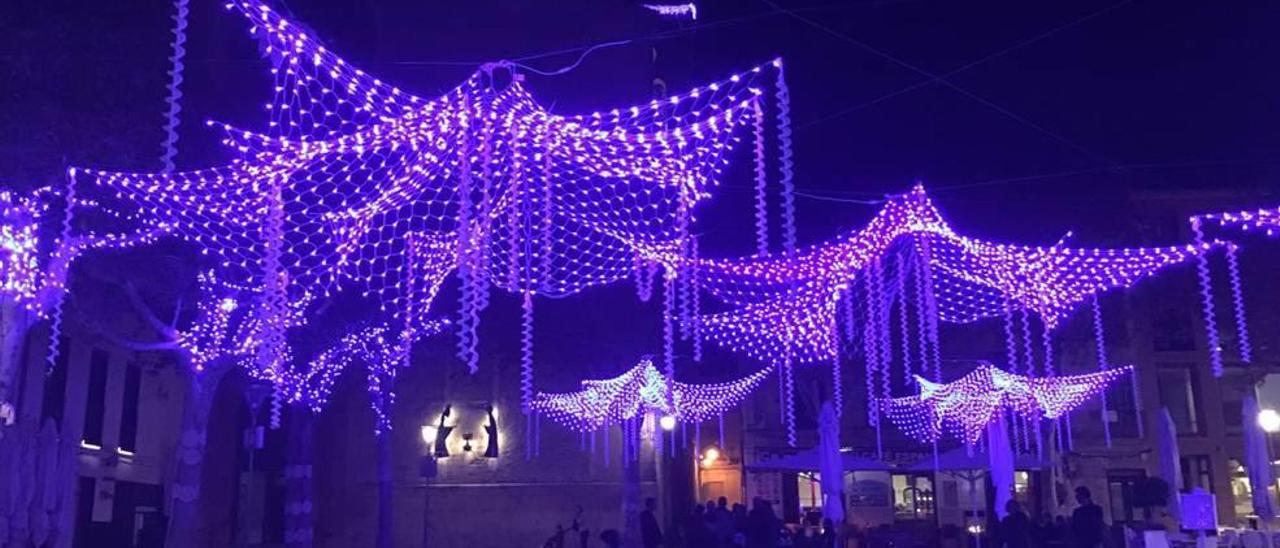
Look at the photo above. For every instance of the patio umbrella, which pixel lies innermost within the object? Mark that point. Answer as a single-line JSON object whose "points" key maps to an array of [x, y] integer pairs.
{"points": [[1000, 457], [832, 466], [1258, 461], [1170, 461]]}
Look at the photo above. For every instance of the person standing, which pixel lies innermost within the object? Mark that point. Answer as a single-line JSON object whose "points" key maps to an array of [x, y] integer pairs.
{"points": [[1015, 528], [650, 531], [1087, 525], [722, 522], [762, 525]]}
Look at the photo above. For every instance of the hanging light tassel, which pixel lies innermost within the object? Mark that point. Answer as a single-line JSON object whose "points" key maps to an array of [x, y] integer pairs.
{"points": [[882, 311], [789, 400], [668, 332], [837, 380], [1029, 367], [903, 320], [785, 161], [60, 279], [174, 97], [526, 361], [644, 274], [683, 279], [465, 248], [850, 319], [1046, 340], [762, 183], [694, 281], [1100, 350], [870, 353], [1206, 300], [874, 280], [1237, 303], [1011, 354]]}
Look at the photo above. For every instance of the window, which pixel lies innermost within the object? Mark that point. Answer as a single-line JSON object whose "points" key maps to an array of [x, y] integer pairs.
{"points": [[1233, 415], [96, 403], [129, 408], [1122, 411], [1197, 471], [54, 402], [1022, 489], [912, 497], [1122, 486], [1178, 393]]}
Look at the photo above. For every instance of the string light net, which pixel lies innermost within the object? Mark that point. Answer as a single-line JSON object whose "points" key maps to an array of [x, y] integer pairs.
{"points": [[1266, 221], [530, 201], [35, 258], [640, 391], [967, 405], [969, 279], [381, 350]]}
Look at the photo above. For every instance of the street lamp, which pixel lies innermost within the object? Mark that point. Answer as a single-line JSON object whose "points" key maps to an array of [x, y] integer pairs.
{"points": [[1269, 420], [667, 422], [710, 456]]}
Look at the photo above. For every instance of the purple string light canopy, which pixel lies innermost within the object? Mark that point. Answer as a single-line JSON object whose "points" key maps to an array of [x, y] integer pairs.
{"points": [[967, 405], [786, 308], [640, 391], [532, 202]]}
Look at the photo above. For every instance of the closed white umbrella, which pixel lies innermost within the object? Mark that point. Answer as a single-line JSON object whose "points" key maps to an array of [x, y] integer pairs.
{"points": [[1257, 460], [1000, 457], [1171, 461], [832, 465]]}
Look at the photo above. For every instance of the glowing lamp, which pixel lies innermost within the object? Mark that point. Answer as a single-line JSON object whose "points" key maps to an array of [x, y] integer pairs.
{"points": [[667, 422], [1269, 420], [710, 457], [429, 434]]}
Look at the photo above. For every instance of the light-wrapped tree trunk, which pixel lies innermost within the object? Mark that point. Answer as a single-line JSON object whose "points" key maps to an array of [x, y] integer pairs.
{"points": [[188, 465], [386, 524], [298, 519]]}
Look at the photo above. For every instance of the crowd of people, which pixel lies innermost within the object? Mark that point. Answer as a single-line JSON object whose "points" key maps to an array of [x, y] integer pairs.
{"points": [[1086, 528], [716, 524]]}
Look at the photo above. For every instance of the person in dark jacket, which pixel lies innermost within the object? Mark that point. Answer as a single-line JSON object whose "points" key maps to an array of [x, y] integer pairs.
{"points": [[762, 525], [1015, 528], [650, 531], [1087, 526], [697, 532]]}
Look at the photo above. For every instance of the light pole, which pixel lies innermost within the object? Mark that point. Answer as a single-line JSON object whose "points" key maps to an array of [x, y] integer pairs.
{"points": [[427, 470]]}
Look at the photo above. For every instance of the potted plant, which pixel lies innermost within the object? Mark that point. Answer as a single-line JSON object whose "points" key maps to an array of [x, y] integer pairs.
{"points": [[1148, 494]]}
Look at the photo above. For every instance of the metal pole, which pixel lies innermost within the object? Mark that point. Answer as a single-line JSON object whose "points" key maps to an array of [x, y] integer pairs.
{"points": [[426, 512]]}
